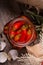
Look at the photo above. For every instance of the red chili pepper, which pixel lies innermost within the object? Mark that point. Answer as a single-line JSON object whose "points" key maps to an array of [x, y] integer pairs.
{"points": [[17, 37], [23, 36], [12, 34], [28, 36], [17, 25], [24, 33]]}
